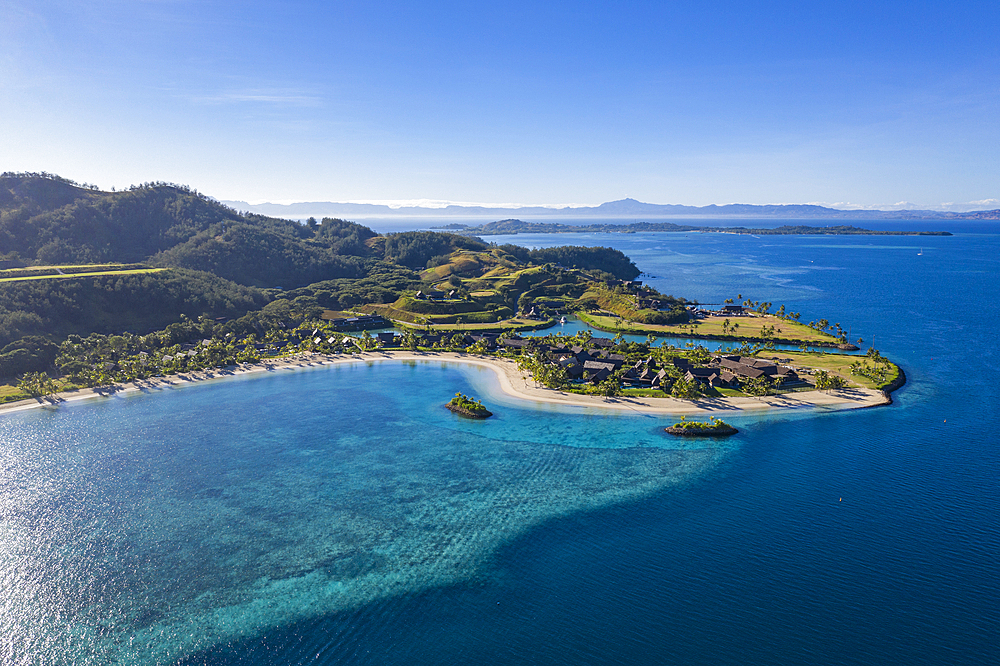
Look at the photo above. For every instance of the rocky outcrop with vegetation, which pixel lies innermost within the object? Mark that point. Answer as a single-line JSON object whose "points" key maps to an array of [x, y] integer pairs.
{"points": [[713, 428], [470, 407]]}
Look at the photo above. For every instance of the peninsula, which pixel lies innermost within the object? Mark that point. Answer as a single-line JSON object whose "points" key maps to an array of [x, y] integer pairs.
{"points": [[107, 289]]}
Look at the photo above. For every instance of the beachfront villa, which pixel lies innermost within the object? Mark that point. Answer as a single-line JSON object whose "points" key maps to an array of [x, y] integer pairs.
{"points": [[601, 358]]}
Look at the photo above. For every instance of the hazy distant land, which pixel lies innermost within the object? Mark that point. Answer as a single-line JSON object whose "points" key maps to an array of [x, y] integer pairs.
{"points": [[504, 227], [623, 209]]}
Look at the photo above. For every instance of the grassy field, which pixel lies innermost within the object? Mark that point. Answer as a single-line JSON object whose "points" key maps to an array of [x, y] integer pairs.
{"points": [[643, 393], [75, 268], [749, 327], [416, 321], [10, 393], [64, 275], [837, 364], [514, 323]]}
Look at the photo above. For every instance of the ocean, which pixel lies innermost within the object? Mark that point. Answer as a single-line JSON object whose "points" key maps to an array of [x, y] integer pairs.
{"points": [[340, 515]]}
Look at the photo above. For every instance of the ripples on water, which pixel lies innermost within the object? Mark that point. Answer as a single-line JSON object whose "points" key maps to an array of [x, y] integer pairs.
{"points": [[259, 502]]}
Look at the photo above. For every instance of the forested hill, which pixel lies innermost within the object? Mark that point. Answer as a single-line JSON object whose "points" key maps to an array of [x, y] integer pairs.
{"points": [[221, 263], [48, 220]]}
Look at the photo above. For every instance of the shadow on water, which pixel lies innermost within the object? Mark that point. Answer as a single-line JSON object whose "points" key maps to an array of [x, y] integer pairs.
{"points": [[354, 488], [843, 557], [503, 615]]}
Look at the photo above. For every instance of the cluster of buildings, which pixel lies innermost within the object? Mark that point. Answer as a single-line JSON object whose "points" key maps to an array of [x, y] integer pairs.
{"points": [[600, 358], [729, 371]]}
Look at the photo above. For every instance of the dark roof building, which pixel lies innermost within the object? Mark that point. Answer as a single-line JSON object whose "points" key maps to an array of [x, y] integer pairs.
{"points": [[596, 371], [741, 369]]}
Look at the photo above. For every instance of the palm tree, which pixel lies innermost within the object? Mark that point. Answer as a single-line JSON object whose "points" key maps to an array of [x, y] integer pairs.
{"points": [[410, 339]]}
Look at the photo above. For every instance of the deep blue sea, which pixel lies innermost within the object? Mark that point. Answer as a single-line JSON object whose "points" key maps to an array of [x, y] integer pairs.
{"points": [[340, 515]]}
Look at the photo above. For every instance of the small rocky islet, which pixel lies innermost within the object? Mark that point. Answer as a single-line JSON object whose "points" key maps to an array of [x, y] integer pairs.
{"points": [[712, 428], [468, 407]]}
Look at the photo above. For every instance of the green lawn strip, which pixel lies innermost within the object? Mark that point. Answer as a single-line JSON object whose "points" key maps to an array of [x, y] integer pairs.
{"points": [[644, 393], [10, 393], [839, 364], [134, 271], [513, 324], [749, 328], [389, 312], [27, 271], [416, 320]]}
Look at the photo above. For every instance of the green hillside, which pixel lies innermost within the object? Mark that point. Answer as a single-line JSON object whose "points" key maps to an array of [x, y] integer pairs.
{"points": [[75, 260]]}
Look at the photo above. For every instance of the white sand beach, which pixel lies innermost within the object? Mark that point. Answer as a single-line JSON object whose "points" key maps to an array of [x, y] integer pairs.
{"points": [[512, 382]]}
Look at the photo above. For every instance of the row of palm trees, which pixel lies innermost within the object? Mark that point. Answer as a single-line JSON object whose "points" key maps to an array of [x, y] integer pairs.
{"points": [[101, 360], [878, 371]]}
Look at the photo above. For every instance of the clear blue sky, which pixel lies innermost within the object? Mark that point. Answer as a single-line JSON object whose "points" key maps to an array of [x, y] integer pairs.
{"points": [[530, 102]]}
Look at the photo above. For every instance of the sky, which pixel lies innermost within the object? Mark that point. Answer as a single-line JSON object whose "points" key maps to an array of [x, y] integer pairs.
{"points": [[852, 104]]}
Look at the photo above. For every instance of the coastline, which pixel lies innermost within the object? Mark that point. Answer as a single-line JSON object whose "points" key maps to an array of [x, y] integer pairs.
{"points": [[511, 382]]}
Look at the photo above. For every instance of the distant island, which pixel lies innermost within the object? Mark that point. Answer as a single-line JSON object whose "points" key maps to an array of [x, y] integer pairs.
{"points": [[622, 209], [504, 227]]}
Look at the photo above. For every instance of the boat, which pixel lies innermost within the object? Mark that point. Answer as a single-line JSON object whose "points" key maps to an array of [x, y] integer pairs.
{"points": [[562, 320]]}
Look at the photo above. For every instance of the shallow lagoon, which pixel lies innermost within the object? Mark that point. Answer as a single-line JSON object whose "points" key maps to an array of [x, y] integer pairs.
{"points": [[254, 502]]}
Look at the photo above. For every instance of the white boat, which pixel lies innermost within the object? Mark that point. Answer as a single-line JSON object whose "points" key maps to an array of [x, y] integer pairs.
{"points": [[562, 320]]}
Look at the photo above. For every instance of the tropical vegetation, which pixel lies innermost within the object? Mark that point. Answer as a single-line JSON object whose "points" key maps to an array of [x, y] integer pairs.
{"points": [[105, 287], [714, 424], [468, 405]]}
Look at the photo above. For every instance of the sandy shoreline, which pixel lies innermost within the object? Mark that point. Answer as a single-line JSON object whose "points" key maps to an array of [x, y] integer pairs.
{"points": [[511, 382]]}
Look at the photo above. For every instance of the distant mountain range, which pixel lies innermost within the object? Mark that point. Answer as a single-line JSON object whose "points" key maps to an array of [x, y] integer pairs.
{"points": [[623, 209]]}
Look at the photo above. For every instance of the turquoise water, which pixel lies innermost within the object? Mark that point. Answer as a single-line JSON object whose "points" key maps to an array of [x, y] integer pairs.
{"points": [[340, 515], [146, 527]]}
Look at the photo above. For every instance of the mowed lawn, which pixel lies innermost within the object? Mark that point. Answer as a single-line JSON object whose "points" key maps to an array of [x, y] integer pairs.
{"points": [[57, 276], [10, 393], [515, 323], [837, 364], [749, 327]]}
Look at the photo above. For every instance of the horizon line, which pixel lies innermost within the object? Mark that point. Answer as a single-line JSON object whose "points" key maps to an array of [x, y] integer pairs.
{"points": [[441, 204]]}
